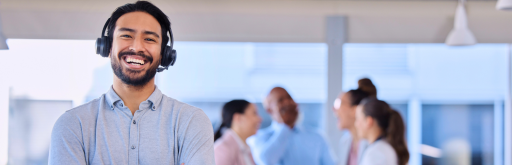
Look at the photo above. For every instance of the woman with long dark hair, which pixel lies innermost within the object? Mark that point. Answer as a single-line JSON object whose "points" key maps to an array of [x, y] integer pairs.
{"points": [[240, 120], [344, 108], [384, 129]]}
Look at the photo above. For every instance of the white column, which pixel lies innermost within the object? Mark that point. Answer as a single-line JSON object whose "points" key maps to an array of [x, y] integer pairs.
{"points": [[414, 130], [335, 37], [4, 116], [508, 113], [498, 132]]}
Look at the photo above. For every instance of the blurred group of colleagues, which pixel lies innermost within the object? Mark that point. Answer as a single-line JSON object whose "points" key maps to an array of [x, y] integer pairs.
{"points": [[375, 133]]}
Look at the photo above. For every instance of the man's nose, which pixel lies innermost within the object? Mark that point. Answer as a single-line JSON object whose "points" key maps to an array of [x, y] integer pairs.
{"points": [[137, 45]]}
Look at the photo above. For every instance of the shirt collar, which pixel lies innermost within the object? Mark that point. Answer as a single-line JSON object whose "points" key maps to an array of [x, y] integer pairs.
{"points": [[112, 97], [155, 98], [152, 102], [275, 125]]}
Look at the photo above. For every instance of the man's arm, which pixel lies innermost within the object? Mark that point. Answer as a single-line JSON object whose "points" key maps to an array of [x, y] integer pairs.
{"points": [[195, 138], [269, 150], [66, 145]]}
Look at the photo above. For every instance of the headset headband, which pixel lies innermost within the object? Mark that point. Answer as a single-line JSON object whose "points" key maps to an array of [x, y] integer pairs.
{"points": [[170, 34], [105, 27]]}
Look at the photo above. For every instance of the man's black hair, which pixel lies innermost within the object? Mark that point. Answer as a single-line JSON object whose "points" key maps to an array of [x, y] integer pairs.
{"points": [[142, 6]]}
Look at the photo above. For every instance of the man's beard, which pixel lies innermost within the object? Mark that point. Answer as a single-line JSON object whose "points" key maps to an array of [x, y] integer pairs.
{"points": [[125, 77]]}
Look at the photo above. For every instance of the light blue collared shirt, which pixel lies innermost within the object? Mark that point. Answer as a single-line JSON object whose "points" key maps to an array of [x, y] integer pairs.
{"points": [[104, 131], [280, 145]]}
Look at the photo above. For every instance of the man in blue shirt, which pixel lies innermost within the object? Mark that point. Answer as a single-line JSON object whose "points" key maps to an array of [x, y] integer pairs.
{"points": [[284, 143], [134, 123]]}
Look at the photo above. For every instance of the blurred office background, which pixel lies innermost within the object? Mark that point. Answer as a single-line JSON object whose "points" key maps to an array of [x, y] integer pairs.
{"points": [[455, 99]]}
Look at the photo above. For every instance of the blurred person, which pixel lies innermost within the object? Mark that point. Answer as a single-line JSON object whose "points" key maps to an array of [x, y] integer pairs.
{"points": [[351, 146], [134, 123], [283, 142], [240, 120], [384, 130]]}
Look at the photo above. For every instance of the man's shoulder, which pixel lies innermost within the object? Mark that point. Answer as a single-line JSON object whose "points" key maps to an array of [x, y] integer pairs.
{"points": [[181, 109], [183, 112], [78, 116], [262, 134], [173, 104], [313, 134], [265, 131], [91, 105], [89, 109]]}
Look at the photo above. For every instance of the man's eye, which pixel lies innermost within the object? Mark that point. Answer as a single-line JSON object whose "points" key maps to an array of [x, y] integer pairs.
{"points": [[149, 39], [126, 36]]}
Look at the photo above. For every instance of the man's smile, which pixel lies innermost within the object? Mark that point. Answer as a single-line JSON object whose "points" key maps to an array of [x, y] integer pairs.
{"points": [[135, 62]]}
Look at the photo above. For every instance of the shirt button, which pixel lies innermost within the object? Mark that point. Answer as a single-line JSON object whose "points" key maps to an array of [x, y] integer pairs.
{"points": [[121, 104], [134, 122], [111, 107], [154, 107], [133, 147]]}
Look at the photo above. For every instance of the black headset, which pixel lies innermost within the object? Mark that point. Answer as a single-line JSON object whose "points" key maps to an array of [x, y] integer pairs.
{"points": [[103, 46]]}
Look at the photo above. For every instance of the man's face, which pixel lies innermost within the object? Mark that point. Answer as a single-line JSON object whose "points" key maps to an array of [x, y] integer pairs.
{"points": [[136, 48], [281, 104]]}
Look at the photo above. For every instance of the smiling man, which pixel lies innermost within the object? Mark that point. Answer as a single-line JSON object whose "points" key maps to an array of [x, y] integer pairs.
{"points": [[134, 123]]}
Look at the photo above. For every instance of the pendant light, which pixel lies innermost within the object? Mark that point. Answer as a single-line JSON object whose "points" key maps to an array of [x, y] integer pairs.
{"points": [[504, 5], [460, 34]]}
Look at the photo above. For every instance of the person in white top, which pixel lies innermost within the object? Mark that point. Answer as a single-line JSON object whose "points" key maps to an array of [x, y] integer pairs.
{"points": [[384, 130], [240, 120]]}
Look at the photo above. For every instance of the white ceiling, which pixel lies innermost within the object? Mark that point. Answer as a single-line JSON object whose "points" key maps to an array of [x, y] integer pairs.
{"points": [[408, 21]]}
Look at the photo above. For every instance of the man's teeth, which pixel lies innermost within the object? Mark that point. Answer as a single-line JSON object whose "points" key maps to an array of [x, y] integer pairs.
{"points": [[141, 62]]}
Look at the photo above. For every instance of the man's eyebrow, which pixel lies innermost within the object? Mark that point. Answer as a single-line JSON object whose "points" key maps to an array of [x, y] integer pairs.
{"points": [[126, 29], [152, 33]]}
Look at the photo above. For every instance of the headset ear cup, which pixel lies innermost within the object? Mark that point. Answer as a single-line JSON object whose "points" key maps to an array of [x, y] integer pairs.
{"points": [[99, 45], [166, 56], [102, 46], [173, 57], [106, 49]]}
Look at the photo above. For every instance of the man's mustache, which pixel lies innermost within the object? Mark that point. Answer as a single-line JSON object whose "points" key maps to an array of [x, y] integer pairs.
{"points": [[141, 54]]}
